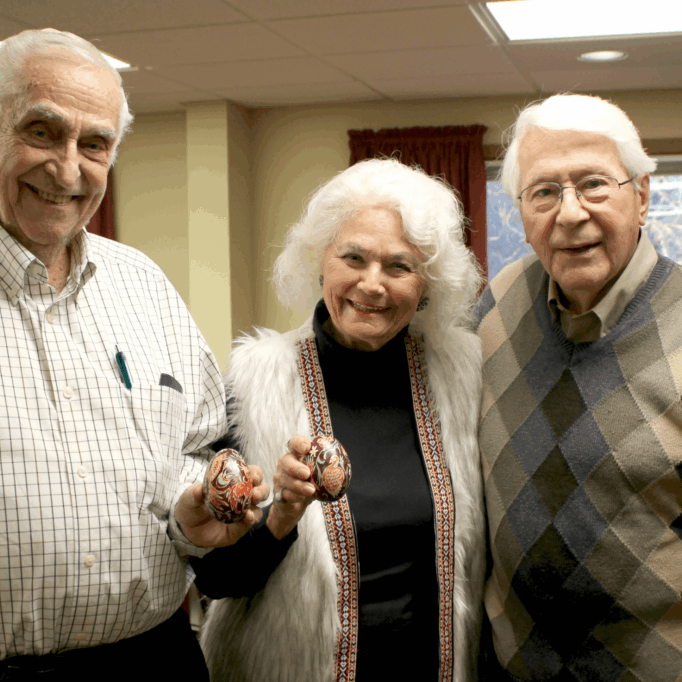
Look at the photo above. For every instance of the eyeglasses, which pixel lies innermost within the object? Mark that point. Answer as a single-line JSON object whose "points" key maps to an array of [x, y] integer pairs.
{"points": [[593, 189]]}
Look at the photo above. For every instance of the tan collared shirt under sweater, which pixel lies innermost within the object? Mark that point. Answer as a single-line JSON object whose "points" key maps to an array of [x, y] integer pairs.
{"points": [[601, 319]]}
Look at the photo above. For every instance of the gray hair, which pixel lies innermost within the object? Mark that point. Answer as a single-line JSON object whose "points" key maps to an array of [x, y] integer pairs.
{"points": [[20, 48], [584, 113], [432, 220]]}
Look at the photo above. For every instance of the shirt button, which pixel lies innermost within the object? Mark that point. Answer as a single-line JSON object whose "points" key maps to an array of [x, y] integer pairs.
{"points": [[82, 472], [89, 560], [68, 393], [50, 317]]}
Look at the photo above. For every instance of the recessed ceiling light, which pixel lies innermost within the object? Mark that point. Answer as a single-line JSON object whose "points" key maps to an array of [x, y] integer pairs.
{"points": [[603, 56], [535, 19]]}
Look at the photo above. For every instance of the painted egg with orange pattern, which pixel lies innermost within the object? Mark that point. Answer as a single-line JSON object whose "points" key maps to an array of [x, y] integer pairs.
{"points": [[228, 486], [330, 468]]}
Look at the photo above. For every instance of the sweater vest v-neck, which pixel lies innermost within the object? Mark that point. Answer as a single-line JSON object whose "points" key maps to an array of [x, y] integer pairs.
{"points": [[582, 457]]}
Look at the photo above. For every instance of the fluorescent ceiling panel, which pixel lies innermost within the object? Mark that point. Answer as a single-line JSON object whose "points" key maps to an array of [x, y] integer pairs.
{"points": [[548, 20]]}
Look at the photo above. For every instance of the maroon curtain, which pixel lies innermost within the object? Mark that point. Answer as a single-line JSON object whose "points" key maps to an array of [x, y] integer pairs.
{"points": [[102, 223], [453, 152]]}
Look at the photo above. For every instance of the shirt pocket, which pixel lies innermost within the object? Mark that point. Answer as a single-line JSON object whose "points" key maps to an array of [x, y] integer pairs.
{"points": [[159, 418], [159, 415]]}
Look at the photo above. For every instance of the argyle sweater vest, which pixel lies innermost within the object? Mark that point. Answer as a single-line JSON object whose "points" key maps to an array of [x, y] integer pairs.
{"points": [[582, 456]]}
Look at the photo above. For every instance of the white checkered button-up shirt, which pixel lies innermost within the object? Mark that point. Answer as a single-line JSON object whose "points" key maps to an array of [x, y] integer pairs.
{"points": [[90, 471]]}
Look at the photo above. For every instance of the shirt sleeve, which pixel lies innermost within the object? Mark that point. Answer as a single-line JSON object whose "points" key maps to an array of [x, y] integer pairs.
{"points": [[258, 548], [261, 550], [196, 370]]}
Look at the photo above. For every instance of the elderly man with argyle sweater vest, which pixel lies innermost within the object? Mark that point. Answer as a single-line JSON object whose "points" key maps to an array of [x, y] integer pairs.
{"points": [[581, 426]]}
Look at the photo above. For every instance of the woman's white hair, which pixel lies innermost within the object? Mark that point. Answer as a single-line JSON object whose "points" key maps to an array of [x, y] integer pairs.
{"points": [[432, 220], [20, 48], [584, 113]]}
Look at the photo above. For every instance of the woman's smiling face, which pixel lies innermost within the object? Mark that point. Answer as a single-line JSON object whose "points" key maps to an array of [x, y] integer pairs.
{"points": [[372, 282]]}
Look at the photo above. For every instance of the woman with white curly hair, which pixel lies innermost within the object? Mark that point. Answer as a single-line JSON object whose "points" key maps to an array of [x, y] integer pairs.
{"points": [[387, 580]]}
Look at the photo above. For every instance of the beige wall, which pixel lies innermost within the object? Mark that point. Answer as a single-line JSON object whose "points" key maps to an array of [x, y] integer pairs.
{"points": [[242, 239], [279, 156], [150, 194], [183, 196]]}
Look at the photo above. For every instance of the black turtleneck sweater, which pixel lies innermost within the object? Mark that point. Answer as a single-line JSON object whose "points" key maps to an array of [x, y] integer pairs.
{"points": [[370, 405], [371, 410]]}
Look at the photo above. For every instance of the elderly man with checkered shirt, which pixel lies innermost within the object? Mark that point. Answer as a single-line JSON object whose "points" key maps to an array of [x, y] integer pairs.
{"points": [[110, 396]]}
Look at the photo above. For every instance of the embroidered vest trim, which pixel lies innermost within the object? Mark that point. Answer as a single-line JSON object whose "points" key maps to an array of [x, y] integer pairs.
{"points": [[337, 517], [443, 501], [339, 521]]}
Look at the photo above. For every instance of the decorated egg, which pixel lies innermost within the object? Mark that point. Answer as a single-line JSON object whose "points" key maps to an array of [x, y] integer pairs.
{"points": [[228, 486], [329, 468]]}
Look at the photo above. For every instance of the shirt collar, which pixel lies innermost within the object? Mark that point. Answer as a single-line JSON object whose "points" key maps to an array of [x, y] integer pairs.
{"points": [[82, 265], [602, 318], [15, 261]]}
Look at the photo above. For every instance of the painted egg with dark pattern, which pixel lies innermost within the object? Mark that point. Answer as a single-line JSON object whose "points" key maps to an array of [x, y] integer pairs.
{"points": [[330, 468], [228, 486]]}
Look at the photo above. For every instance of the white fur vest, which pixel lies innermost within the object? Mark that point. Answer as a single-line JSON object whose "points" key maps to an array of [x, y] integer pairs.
{"points": [[288, 632]]}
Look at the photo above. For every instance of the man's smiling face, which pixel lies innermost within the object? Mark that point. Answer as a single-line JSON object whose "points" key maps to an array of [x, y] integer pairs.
{"points": [[57, 142], [584, 247]]}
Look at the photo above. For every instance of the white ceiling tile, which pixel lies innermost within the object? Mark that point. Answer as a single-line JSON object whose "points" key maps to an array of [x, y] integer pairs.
{"points": [[592, 80], [377, 31], [143, 103], [8, 27], [261, 52], [301, 94], [86, 17], [135, 82], [369, 67], [564, 55], [263, 73], [229, 42], [456, 85], [267, 9]]}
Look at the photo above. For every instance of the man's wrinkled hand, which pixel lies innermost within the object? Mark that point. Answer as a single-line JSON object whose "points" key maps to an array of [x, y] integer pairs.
{"points": [[202, 530]]}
